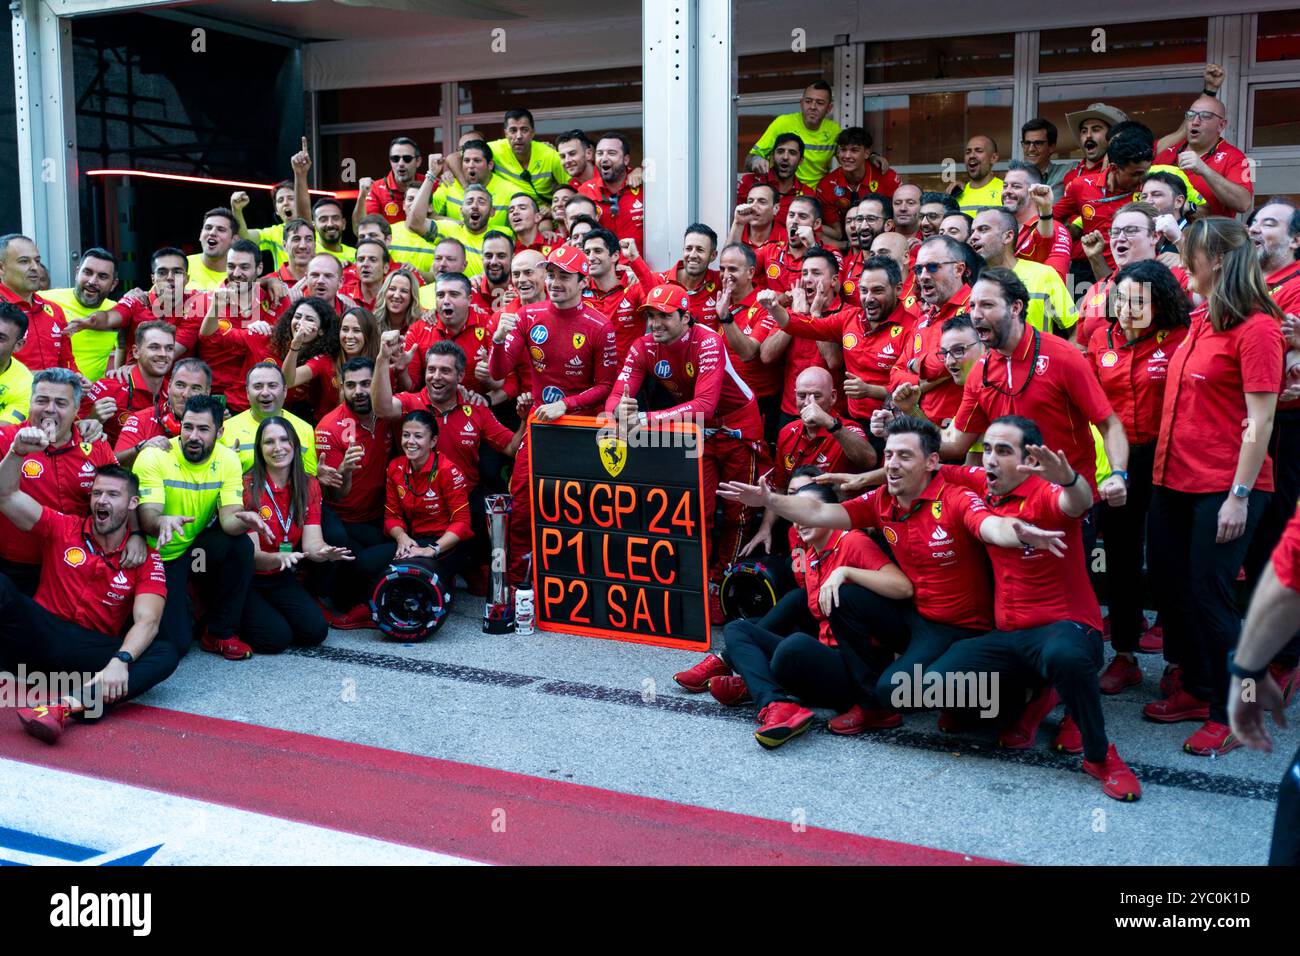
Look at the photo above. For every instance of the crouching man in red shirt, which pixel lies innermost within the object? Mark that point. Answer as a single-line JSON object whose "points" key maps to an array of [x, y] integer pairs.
{"points": [[85, 598], [1048, 623], [789, 660], [692, 363]]}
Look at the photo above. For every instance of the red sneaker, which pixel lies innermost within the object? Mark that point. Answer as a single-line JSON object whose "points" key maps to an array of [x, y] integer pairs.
{"points": [[1121, 672], [1288, 681], [357, 619], [696, 679], [1177, 708], [857, 719], [1152, 640], [1105, 628], [1021, 734], [1068, 740], [231, 648], [1117, 780], [46, 722], [729, 689], [781, 720], [1171, 681], [1211, 740], [717, 616]]}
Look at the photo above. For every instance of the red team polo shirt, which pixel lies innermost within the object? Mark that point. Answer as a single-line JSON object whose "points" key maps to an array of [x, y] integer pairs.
{"points": [[231, 351], [338, 430], [473, 340], [1286, 556], [1133, 376], [461, 431], [141, 426], [428, 503], [796, 447], [572, 353], [46, 345], [1049, 381], [1204, 415], [135, 313], [803, 353], [937, 545], [59, 478], [620, 305], [702, 301], [869, 353], [939, 404], [1052, 251], [765, 378], [131, 396], [1090, 199], [1226, 160], [82, 584], [275, 505], [696, 370], [837, 195], [621, 212], [1035, 588], [851, 549], [386, 196]]}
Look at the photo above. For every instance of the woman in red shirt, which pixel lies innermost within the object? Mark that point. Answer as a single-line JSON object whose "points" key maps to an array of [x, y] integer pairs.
{"points": [[304, 336], [1130, 355], [1212, 472], [358, 336], [278, 611], [426, 513]]}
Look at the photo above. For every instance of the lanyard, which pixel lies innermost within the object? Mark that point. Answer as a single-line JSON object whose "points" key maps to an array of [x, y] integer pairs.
{"points": [[286, 525], [1033, 367], [90, 548]]}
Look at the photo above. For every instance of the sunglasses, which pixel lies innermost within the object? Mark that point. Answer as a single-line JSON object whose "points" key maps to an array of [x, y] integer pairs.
{"points": [[933, 267], [401, 159]]}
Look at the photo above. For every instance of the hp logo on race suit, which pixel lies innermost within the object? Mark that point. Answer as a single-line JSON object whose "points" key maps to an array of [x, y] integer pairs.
{"points": [[663, 369], [550, 393], [538, 334]]}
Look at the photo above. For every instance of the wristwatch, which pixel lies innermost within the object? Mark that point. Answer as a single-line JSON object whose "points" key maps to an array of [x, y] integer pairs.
{"points": [[1240, 491], [834, 427], [437, 549], [125, 657], [1236, 670], [726, 319]]}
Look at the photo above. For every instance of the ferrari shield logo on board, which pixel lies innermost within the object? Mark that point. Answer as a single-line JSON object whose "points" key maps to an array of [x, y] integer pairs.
{"points": [[613, 455]]}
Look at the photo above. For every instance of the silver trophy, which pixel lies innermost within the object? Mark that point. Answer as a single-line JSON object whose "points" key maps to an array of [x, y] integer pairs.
{"points": [[499, 614]]}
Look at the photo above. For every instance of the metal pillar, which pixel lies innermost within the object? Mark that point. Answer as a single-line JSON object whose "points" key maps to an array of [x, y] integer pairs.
{"points": [[668, 121], [715, 117], [47, 144]]}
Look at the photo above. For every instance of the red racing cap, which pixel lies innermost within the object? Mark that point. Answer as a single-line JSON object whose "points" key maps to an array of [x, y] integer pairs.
{"points": [[569, 259], [669, 297]]}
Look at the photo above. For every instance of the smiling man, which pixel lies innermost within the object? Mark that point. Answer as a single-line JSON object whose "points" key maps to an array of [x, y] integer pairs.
{"points": [[96, 277], [814, 127], [266, 394]]}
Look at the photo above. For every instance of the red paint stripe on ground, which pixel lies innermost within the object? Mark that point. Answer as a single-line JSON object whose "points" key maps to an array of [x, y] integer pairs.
{"points": [[433, 804]]}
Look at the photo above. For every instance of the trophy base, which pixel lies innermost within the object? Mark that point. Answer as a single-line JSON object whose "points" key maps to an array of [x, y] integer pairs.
{"points": [[498, 619]]}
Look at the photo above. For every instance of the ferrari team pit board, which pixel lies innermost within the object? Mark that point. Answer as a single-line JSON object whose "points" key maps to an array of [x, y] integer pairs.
{"points": [[618, 532]]}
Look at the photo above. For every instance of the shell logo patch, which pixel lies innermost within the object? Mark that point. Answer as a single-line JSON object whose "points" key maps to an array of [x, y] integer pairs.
{"points": [[1088, 211], [33, 468], [849, 340], [789, 462], [773, 271], [265, 512], [849, 286], [401, 492], [1109, 358], [936, 510], [74, 557], [223, 325], [390, 208], [123, 416], [891, 536], [537, 354]]}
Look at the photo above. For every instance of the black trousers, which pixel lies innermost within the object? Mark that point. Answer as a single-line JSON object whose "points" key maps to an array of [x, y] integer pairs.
{"points": [[320, 578], [221, 567], [1124, 531], [1195, 582], [795, 667], [769, 408], [1065, 654], [1285, 850], [26, 577], [370, 565], [279, 612], [876, 628], [1284, 446], [31, 635]]}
